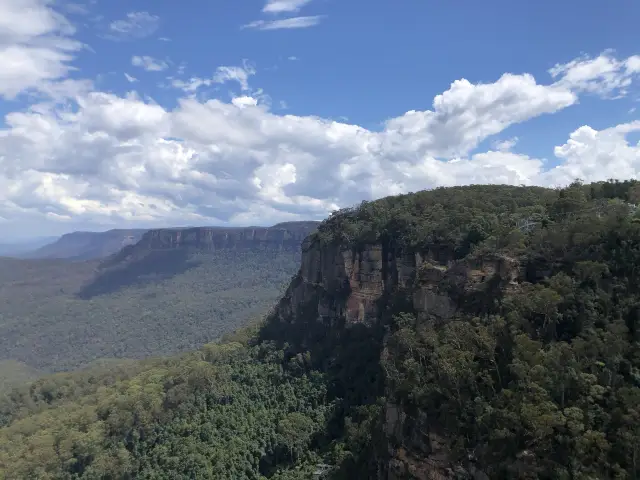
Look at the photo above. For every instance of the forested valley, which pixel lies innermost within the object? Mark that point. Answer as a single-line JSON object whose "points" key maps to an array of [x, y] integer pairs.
{"points": [[522, 362], [146, 300]]}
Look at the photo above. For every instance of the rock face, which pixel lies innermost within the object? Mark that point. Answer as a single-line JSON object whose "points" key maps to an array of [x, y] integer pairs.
{"points": [[284, 237], [341, 286], [352, 284], [281, 237]]}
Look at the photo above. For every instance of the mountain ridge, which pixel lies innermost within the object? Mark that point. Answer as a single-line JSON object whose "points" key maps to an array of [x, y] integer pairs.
{"points": [[280, 237], [82, 245], [88, 245]]}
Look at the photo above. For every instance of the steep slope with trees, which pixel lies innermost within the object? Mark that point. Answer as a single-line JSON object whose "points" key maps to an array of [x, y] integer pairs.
{"points": [[482, 332], [471, 332]]}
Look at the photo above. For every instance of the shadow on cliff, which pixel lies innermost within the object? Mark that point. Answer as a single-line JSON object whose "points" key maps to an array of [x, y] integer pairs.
{"points": [[153, 267]]}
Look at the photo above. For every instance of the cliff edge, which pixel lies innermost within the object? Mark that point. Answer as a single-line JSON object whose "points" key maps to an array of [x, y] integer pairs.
{"points": [[451, 325]]}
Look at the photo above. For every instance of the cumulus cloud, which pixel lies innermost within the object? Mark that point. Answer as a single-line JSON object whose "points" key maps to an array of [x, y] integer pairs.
{"points": [[35, 46], [285, 23], [466, 114], [148, 63], [125, 159], [597, 155], [244, 101], [604, 75]]}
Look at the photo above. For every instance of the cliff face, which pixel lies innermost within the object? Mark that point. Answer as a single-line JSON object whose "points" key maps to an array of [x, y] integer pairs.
{"points": [[280, 237], [338, 287], [353, 284]]}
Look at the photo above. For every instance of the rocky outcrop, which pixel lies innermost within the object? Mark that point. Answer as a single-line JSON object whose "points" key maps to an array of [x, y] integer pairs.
{"points": [[338, 285], [348, 283]]}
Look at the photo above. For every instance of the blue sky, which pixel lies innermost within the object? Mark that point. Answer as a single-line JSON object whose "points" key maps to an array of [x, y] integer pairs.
{"points": [[157, 113]]}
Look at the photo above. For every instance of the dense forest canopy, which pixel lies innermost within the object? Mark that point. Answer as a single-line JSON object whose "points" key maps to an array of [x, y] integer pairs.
{"points": [[536, 376], [57, 315]]}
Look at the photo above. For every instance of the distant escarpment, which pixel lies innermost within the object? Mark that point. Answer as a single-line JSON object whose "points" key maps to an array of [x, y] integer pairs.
{"points": [[287, 237], [165, 253], [465, 332], [280, 237], [87, 245]]}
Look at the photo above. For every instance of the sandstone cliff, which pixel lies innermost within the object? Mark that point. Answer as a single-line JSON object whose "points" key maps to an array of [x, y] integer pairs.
{"points": [[348, 283], [339, 287], [281, 237], [284, 237]]}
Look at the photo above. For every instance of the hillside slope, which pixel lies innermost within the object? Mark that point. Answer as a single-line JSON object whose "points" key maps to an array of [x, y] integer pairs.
{"points": [[464, 333], [59, 315]]}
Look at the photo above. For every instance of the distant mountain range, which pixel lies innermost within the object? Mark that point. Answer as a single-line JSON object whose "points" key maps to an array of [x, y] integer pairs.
{"points": [[98, 245], [86, 245]]}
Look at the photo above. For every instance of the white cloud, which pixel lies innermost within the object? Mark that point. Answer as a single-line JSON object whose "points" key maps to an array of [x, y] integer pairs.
{"points": [[466, 114], [244, 101], [238, 74], [35, 48], [286, 23], [191, 85], [604, 75], [223, 74], [282, 6], [134, 25], [240, 163], [505, 145], [597, 155], [217, 162], [148, 63]]}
